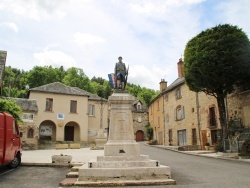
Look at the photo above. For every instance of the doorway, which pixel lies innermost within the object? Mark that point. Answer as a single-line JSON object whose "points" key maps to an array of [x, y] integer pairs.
{"points": [[69, 133], [139, 136]]}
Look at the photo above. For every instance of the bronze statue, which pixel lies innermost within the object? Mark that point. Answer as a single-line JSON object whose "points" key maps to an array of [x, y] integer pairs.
{"points": [[118, 79]]}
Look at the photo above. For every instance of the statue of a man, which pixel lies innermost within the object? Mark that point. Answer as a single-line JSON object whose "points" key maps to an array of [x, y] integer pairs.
{"points": [[120, 72]]}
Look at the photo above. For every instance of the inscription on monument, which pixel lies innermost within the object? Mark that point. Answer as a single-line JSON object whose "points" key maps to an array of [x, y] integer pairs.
{"points": [[121, 120]]}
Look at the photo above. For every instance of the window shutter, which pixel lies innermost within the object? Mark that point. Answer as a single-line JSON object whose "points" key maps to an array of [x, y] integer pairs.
{"points": [[182, 112], [175, 114]]}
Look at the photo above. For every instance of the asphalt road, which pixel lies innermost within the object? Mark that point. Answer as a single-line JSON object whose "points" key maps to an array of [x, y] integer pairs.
{"points": [[196, 171], [32, 177], [188, 171]]}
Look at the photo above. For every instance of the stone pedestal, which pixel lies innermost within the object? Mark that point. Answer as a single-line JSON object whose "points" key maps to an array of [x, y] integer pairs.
{"points": [[122, 160], [100, 140]]}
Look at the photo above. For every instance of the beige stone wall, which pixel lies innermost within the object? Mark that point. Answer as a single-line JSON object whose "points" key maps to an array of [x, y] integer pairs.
{"points": [[239, 106], [81, 119], [188, 100], [156, 119], [95, 121]]}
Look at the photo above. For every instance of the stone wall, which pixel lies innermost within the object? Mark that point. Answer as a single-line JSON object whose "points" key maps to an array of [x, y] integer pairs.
{"points": [[238, 105], [30, 132], [140, 120]]}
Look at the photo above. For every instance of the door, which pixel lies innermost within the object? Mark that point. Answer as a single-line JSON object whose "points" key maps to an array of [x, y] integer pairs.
{"points": [[69, 133], [204, 138], [182, 138], [194, 137], [139, 136], [12, 138]]}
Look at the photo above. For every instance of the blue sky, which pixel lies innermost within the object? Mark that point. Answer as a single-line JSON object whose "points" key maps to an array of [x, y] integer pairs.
{"points": [[150, 35]]}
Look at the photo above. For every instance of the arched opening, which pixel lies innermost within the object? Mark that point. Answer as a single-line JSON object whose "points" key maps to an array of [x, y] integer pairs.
{"points": [[30, 133], [47, 131], [71, 132], [139, 136]]}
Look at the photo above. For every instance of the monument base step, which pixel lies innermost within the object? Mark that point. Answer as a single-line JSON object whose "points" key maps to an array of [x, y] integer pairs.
{"points": [[125, 182], [86, 173], [115, 183]]}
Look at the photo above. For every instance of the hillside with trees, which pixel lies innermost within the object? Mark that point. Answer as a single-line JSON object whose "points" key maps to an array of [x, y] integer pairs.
{"points": [[17, 82]]}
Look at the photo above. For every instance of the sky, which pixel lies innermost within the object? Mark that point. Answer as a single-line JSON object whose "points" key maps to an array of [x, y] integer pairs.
{"points": [[150, 35]]}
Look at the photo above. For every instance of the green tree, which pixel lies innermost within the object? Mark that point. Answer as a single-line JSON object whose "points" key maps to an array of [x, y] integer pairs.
{"points": [[146, 95], [75, 77], [14, 83], [149, 131], [11, 107], [215, 61]]}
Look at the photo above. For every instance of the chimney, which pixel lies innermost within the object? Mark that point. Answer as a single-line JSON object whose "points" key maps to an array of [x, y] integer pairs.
{"points": [[163, 85], [180, 66]]}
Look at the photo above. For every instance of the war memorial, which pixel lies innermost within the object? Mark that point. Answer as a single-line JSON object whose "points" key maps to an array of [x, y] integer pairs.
{"points": [[122, 163]]}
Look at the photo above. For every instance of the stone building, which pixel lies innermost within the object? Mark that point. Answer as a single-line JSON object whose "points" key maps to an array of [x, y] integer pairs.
{"points": [[140, 120], [238, 104], [180, 117], [68, 113], [29, 127]]}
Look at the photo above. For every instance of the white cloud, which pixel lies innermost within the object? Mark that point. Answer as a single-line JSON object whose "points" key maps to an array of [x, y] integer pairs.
{"points": [[10, 25], [156, 7], [34, 9], [55, 58], [147, 76], [87, 39]]}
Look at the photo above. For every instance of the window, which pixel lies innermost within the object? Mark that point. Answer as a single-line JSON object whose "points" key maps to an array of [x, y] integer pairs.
{"points": [[179, 113], [138, 106], [28, 117], [91, 110], [73, 106], [167, 118], [214, 136], [139, 119], [30, 133], [212, 120], [158, 105], [178, 93], [49, 104]]}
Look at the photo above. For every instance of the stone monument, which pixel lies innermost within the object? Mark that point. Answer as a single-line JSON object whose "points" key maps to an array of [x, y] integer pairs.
{"points": [[122, 163]]}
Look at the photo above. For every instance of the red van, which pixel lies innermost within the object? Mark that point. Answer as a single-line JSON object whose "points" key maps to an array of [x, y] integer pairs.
{"points": [[10, 143]]}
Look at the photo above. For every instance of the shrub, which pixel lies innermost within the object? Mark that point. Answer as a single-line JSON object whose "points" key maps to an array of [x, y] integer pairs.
{"points": [[219, 147], [245, 148]]}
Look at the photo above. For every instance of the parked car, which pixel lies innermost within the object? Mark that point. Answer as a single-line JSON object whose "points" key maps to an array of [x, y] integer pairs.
{"points": [[10, 141]]}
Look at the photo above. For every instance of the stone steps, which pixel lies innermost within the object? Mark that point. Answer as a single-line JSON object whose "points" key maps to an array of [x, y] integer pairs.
{"points": [[72, 175]]}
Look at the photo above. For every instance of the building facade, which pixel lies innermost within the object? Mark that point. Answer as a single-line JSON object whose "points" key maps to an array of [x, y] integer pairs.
{"points": [[140, 120], [68, 113], [28, 127], [181, 117]]}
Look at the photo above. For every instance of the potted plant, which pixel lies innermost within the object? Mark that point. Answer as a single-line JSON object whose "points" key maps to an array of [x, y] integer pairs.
{"points": [[207, 145]]}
